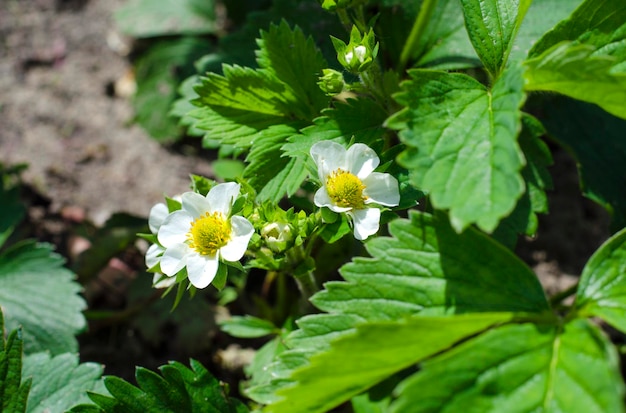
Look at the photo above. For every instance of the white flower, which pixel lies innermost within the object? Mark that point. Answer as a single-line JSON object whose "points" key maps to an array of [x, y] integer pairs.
{"points": [[158, 213], [350, 184], [359, 53], [201, 233]]}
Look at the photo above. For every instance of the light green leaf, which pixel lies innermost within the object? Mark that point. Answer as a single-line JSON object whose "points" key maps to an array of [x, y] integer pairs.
{"points": [[492, 25], [542, 15], [577, 71], [299, 68], [520, 368], [247, 327], [596, 140], [373, 352], [462, 143], [425, 268], [40, 295], [148, 18], [60, 382], [602, 287], [600, 24]]}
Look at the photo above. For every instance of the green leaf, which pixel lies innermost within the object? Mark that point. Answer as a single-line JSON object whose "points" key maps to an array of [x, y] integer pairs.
{"points": [[372, 353], [358, 119], [520, 368], [247, 327], [462, 143], [596, 140], [602, 287], [12, 210], [59, 382], [268, 171], [425, 268], [13, 390], [576, 71], [296, 61], [178, 389], [159, 72], [600, 24], [147, 18], [492, 25], [40, 295], [523, 219]]}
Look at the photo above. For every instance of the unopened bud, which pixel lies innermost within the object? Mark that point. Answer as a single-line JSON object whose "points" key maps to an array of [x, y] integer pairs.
{"points": [[331, 82]]}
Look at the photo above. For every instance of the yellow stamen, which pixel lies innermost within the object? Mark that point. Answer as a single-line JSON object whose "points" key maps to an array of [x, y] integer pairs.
{"points": [[208, 233], [345, 189]]}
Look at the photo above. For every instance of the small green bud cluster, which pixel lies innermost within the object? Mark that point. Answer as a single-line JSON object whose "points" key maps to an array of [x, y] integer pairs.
{"points": [[331, 82], [359, 54], [332, 5]]}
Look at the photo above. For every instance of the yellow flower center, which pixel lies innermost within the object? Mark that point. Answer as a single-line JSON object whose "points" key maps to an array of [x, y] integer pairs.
{"points": [[345, 189], [208, 233]]}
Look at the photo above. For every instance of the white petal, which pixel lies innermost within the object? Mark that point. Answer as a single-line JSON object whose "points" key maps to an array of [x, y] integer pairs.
{"points": [[321, 199], [328, 156], [164, 283], [222, 196], [175, 228], [366, 222], [242, 231], [382, 189], [157, 216], [361, 160], [195, 204], [174, 259], [201, 269], [153, 255]]}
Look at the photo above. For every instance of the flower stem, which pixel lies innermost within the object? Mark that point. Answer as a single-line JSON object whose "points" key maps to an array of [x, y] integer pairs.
{"points": [[562, 295], [307, 284], [417, 31]]}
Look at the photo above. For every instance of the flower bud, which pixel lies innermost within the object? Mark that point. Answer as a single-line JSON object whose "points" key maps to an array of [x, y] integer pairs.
{"points": [[359, 54], [331, 82], [277, 235]]}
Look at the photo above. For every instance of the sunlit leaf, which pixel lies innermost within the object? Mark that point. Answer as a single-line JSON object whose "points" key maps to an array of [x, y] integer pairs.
{"points": [[462, 143]]}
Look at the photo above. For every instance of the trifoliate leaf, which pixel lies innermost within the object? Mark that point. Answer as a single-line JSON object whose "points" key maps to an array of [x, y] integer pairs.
{"points": [[520, 368], [523, 219], [425, 268], [577, 71], [357, 361], [247, 327], [600, 24], [492, 25], [13, 390], [602, 288], [361, 119], [596, 140], [462, 143], [147, 18], [40, 295], [177, 389], [59, 382]]}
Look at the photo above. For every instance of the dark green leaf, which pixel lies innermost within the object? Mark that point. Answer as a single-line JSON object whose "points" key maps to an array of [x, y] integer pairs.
{"points": [[596, 140], [462, 143], [12, 209]]}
